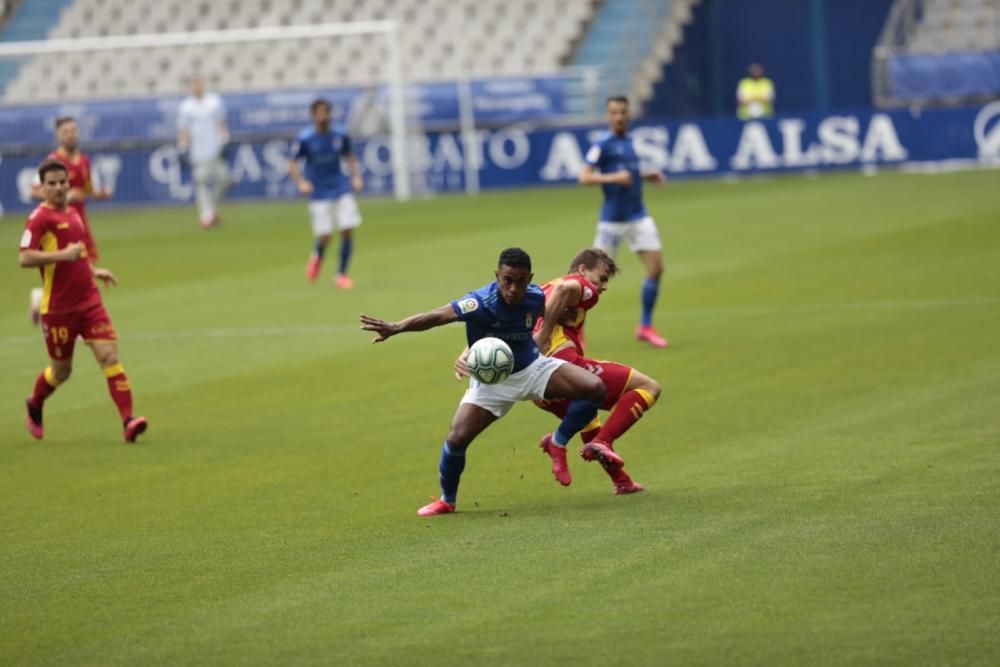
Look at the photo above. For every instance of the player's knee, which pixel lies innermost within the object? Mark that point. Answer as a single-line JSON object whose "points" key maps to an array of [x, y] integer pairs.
{"points": [[595, 389], [61, 373], [653, 387], [107, 357], [459, 437]]}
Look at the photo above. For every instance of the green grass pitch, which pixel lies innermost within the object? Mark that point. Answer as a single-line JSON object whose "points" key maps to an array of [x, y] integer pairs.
{"points": [[823, 469]]}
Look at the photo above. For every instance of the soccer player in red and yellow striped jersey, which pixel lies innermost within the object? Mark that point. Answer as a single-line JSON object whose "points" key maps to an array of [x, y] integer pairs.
{"points": [[54, 240], [81, 186], [629, 392]]}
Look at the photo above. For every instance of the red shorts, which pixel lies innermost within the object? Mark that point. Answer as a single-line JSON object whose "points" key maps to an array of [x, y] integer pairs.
{"points": [[62, 329], [614, 376]]}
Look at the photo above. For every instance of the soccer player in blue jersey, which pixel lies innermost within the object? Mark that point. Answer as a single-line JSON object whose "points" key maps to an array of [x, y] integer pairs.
{"points": [[323, 147], [507, 309], [613, 163]]}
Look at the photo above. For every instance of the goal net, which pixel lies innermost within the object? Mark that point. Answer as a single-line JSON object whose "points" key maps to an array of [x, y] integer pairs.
{"points": [[124, 90]]}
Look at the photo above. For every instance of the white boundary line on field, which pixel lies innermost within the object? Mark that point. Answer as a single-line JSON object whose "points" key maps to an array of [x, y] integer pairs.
{"points": [[691, 313]]}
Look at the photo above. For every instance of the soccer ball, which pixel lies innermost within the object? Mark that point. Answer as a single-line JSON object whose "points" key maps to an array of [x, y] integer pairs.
{"points": [[490, 360]]}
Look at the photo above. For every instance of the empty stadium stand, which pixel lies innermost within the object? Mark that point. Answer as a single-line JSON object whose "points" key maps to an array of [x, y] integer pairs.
{"points": [[440, 40]]}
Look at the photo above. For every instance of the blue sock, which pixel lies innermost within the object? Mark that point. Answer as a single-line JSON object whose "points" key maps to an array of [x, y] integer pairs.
{"points": [[451, 467], [579, 414], [318, 249], [650, 290], [346, 248]]}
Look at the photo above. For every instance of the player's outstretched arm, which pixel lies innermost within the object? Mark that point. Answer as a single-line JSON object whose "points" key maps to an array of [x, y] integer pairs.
{"points": [[420, 322], [565, 295], [30, 258]]}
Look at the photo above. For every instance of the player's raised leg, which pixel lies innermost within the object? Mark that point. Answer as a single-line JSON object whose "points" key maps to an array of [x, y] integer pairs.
{"points": [[45, 384], [106, 353], [469, 421], [586, 393]]}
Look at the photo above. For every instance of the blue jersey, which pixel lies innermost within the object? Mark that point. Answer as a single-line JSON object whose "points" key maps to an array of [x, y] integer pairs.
{"points": [[322, 153], [612, 153], [486, 315]]}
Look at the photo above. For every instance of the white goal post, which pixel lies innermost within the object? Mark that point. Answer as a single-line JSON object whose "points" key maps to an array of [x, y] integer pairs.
{"points": [[387, 28]]}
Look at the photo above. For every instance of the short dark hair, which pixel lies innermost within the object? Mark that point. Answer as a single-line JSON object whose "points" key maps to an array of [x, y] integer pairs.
{"points": [[62, 120], [515, 258], [616, 98], [320, 102], [591, 257], [50, 165]]}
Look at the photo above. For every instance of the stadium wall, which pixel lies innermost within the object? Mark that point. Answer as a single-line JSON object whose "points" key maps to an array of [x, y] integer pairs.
{"points": [[518, 156]]}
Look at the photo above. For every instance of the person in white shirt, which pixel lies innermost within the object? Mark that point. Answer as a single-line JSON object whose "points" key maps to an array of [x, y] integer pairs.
{"points": [[202, 134]]}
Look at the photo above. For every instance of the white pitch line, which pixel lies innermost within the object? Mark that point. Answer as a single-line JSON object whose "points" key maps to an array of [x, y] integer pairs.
{"points": [[691, 313]]}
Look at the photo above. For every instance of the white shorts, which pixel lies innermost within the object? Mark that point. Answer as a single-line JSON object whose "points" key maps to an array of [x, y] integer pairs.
{"points": [[321, 213], [640, 234], [527, 384]]}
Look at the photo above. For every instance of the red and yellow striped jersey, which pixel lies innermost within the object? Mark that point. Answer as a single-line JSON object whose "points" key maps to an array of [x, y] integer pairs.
{"points": [[569, 329], [68, 286]]}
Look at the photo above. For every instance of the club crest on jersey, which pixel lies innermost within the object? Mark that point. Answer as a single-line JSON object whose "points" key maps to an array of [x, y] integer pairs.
{"points": [[468, 305], [527, 320], [587, 293]]}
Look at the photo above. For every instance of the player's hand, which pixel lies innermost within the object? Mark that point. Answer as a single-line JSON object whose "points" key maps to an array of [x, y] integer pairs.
{"points": [[105, 276], [103, 193], [357, 183], [75, 195], [381, 327], [623, 178], [462, 365], [73, 251], [305, 188], [656, 177]]}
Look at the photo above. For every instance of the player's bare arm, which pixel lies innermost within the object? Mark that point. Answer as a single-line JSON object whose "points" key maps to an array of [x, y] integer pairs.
{"points": [[566, 294], [589, 176], [105, 276], [30, 258], [655, 177], [420, 322], [357, 183], [304, 186]]}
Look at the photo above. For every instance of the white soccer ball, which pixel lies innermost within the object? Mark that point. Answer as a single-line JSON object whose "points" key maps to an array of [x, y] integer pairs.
{"points": [[490, 360]]}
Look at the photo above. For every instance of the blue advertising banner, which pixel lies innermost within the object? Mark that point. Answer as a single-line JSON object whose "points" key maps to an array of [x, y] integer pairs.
{"points": [[516, 156], [430, 106]]}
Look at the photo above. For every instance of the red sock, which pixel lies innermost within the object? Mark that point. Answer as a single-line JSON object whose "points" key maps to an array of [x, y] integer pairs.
{"points": [[121, 391], [627, 411], [589, 435], [44, 386]]}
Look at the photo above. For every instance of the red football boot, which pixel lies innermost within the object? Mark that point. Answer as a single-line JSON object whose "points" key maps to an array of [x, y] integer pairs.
{"points": [[595, 450], [134, 427], [312, 268], [344, 281], [33, 420], [560, 469], [437, 507], [647, 333]]}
